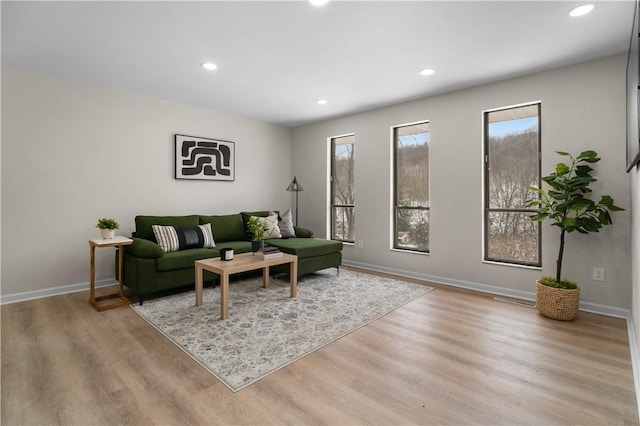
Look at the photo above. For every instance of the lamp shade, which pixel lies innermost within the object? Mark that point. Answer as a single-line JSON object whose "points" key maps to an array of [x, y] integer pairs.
{"points": [[295, 186]]}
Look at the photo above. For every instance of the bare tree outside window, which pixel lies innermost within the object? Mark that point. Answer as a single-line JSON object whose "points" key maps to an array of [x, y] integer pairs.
{"points": [[512, 165], [342, 188], [411, 187]]}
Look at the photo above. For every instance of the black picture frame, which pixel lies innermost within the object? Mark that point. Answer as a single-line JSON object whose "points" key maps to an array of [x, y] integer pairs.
{"points": [[633, 92], [198, 158]]}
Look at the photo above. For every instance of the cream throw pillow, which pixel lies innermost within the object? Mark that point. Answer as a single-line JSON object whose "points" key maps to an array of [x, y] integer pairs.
{"points": [[272, 231]]}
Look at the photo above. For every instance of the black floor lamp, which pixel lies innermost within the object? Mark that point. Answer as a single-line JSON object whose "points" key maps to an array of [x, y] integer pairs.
{"points": [[295, 187]]}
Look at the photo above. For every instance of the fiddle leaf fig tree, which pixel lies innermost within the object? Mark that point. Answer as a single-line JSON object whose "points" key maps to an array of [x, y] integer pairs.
{"points": [[567, 203]]}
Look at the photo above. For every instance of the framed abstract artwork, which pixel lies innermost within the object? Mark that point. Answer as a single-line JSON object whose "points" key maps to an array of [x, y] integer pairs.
{"points": [[204, 159]]}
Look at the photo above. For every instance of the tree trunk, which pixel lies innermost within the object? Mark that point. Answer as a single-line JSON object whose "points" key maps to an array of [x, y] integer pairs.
{"points": [[560, 253]]}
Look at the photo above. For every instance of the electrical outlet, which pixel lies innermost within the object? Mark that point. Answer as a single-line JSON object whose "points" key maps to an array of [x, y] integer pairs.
{"points": [[360, 244], [598, 274]]}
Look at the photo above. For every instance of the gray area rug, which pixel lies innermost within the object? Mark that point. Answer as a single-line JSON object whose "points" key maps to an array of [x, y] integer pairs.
{"points": [[268, 330]]}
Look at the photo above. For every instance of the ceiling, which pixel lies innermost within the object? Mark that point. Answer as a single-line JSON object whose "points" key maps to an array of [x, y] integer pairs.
{"points": [[277, 58]]}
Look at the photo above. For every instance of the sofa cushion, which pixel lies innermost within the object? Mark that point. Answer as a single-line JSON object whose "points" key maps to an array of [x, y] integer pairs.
{"points": [[237, 246], [303, 232], [286, 225], [306, 247], [226, 227], [144, 224], [184, 259]]}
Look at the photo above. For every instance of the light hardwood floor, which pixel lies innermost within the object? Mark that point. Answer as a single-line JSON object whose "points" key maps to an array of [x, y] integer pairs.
{"points": [[450, 357]]}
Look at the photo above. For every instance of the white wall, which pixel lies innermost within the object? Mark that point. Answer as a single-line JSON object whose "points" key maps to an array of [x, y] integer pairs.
{"points": [[635, 253], [583, 107], [73, 152]]}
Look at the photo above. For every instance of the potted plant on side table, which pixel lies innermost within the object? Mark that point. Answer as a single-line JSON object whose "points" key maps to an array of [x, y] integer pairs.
{"points": [[567, 204], [257, 228], [107, 227]]}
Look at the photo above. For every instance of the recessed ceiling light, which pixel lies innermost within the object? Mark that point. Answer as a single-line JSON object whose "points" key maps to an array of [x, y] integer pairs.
{"points": [[209, 66], [322, 102], [581, 10], [318, 2], [428, 71]]}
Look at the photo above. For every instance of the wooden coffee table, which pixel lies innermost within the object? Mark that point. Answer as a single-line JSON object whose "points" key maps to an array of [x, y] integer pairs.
{"points": [[242, 263]]}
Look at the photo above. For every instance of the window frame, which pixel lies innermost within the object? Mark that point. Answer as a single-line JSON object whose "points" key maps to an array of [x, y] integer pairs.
{"points": [[394, 190], [487, 210], [332, 206]]}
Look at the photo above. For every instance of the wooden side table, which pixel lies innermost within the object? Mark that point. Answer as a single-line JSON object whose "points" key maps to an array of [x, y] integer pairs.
{"points": [[118, 242]]}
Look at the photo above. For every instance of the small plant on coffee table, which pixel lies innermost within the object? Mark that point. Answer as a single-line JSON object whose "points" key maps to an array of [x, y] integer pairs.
{"points": [[257, 228]]}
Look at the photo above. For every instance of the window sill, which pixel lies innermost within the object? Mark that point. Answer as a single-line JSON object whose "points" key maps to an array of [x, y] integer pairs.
{"points": [[420, 253], [512, 265]]}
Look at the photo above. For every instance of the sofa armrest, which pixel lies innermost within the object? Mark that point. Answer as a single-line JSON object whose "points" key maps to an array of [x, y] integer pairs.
{"points": [[303, 232], [144, 248]]}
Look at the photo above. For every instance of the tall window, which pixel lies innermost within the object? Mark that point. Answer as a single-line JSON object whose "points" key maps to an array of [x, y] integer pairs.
{"points": [[342, 189], [512, 164], [411, 187]]}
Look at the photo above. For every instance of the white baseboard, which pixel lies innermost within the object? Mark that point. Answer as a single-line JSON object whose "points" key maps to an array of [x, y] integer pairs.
{"points": [[55, 291], [484, 288]]}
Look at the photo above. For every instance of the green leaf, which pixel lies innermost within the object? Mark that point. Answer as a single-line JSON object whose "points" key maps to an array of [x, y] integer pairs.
{"points": [[591, 160], [562, 169], [589, 156], [579, 205], [604, 217], [557, 195], [607, 201], [589, 224], [583, 170], [539, 217], [563, 153], [578, 181]]}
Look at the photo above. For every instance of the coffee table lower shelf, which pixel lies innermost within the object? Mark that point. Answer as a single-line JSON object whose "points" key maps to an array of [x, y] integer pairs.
{"points": [[242, 263]]}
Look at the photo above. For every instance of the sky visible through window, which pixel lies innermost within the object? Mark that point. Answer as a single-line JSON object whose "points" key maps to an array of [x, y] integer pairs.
{"points": [[342, 150], [503, 128], [415, 139]]}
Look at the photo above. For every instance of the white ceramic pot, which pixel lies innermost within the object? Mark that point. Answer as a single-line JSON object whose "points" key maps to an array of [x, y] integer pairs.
{"points": [[107, 234]]}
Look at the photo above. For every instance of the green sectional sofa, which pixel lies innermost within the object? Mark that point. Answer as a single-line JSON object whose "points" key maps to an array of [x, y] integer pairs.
{"points": [[148, 269]]}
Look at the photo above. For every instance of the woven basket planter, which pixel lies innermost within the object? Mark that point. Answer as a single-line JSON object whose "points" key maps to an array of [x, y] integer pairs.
{"points": [[557, 303]]}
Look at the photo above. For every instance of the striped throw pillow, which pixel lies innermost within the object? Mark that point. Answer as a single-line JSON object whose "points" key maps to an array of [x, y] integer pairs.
{"points": [[171, 238]]}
